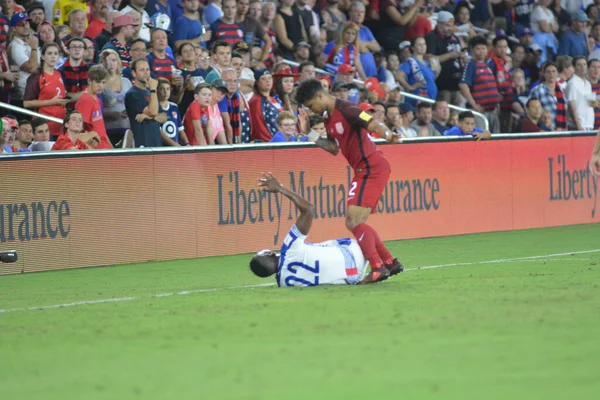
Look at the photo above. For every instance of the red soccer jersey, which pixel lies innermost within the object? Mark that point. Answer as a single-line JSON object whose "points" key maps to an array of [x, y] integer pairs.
{"points": [[194, 112], [44, 86], [94, 28], [64, 143], [347, 126], [90, 109]]}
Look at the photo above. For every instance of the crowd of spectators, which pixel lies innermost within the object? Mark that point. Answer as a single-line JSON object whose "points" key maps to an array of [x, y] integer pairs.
{"points": [[149, 73]]}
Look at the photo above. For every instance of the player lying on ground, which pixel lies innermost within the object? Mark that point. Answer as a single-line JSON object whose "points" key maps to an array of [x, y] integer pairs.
{"points": [[334, 262], [348, 130], [595, 160]]}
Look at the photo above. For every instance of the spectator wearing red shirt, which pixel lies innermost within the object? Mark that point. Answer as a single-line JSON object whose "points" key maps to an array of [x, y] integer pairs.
{"points": [[420, 25], [74, 137], [195, 122], [90, 108], [98, 21], [45, 91]]}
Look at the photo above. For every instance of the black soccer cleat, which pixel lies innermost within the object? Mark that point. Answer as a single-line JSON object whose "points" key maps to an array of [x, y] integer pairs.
{"points": [[8, 256], [395, 267], [376, 275]]}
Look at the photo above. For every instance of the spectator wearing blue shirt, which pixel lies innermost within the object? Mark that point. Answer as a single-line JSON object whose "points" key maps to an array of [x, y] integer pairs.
{"points": [[212, 12], [574, 41], [367, 43], [188, 27], [172, 130], [288, 129], [466, 126], [441, 116]]}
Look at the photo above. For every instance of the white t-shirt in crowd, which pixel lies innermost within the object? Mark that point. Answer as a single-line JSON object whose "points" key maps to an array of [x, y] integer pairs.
{"points": [[540, 14], [18, 54], [580, 91], [145, 31]]}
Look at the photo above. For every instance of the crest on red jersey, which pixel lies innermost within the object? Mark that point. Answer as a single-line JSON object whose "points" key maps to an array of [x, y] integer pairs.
{"points": [[339, 127]]}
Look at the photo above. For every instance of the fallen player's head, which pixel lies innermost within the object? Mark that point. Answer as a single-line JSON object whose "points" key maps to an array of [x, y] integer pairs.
{"points": [[264, 263]]}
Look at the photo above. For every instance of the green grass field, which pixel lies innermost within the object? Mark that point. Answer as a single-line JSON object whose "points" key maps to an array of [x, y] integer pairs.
{"points": [[517, 328]]}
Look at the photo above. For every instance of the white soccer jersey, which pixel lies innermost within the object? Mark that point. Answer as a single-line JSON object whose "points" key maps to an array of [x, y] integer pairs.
{"points": [[334, 262]]}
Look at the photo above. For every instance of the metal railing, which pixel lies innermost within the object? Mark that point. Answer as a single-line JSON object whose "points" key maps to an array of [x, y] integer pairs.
{"points": [[486, 124], [25, 111]]}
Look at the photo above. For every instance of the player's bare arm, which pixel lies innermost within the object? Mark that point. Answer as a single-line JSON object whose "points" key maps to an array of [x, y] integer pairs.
{"points": [[269, 183], [595, 160], [383, 131], [327, 144]]}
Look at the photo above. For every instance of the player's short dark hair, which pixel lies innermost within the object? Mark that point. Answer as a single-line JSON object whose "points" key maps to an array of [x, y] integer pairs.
{"points": [[97, 73], [477, 40], [201, 86], [217, 44], [465, 114], [315, 120], [37, 122], [263, 266], [308, 90], [498, 39], [530, 100], [305, 64]]}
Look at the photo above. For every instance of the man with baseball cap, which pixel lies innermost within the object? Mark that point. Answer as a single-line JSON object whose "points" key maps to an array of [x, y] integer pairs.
{"points": [[574, 41], [123, 31], [302, 52], [441, 42], [22, 52], [139, 5]]}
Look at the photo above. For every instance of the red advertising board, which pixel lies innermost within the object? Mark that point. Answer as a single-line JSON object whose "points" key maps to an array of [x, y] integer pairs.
{"points": [[68, 211]]}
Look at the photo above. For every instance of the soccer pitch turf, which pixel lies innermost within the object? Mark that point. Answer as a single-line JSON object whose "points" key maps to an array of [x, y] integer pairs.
{"points": [[523, 326]]}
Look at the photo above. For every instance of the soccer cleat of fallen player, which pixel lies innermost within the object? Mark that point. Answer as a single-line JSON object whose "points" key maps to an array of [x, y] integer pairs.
{"points": [[376, 275]]}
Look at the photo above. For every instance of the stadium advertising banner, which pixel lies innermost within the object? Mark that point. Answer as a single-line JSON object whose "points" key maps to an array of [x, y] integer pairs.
{"points": [[67, 211]]}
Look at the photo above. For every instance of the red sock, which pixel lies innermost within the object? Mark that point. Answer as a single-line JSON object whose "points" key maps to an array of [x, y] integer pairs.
{"points": [[365, 235], [383, 252]]}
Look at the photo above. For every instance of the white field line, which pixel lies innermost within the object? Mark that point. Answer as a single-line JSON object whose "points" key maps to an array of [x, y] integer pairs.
{"points": [[186, 292]]}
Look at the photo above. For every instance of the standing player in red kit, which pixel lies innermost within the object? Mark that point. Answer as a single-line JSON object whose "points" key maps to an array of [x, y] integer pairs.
{"points": [[348, 130]]}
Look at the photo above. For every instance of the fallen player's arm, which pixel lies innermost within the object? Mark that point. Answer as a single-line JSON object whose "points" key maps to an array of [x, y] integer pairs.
{"points": [[304, 221], [383, 131]]}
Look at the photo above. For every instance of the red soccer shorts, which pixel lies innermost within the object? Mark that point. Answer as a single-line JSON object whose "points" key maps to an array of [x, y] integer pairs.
{"points": [[368, 184]]}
